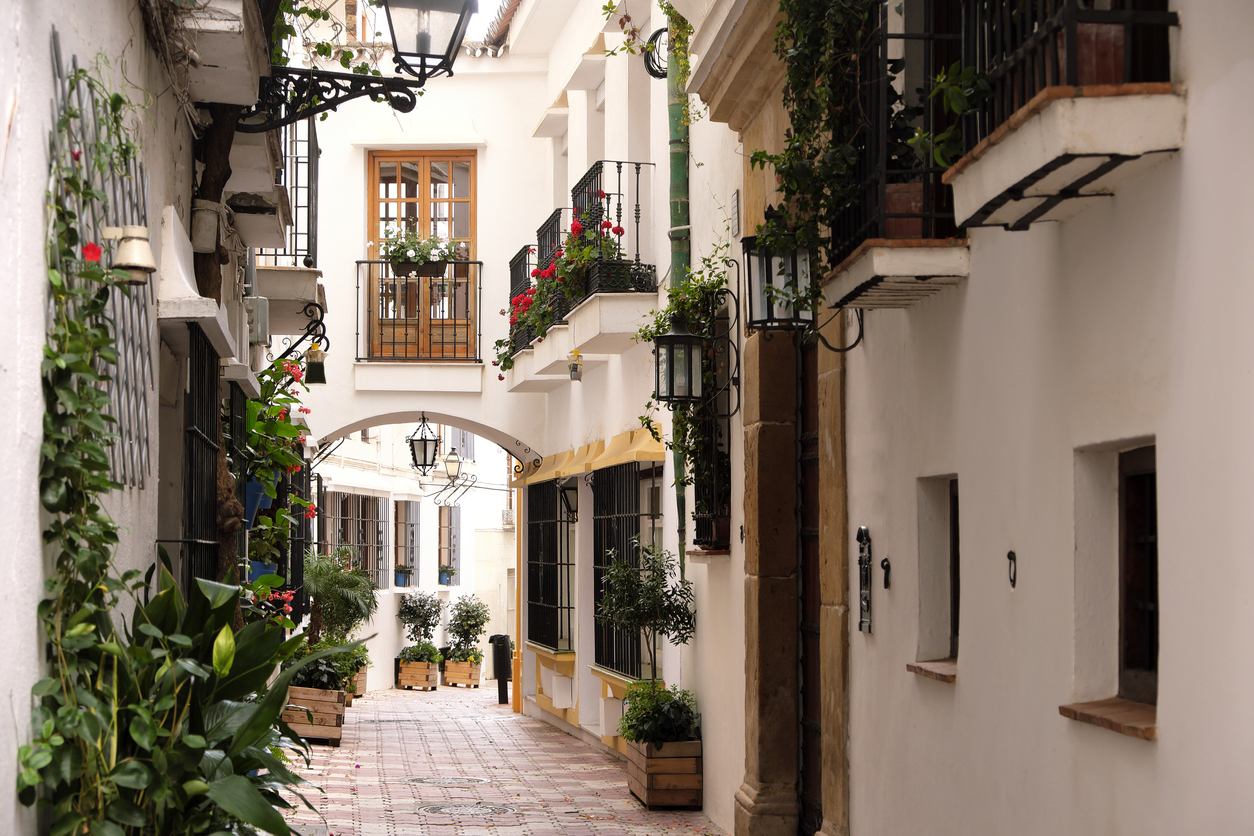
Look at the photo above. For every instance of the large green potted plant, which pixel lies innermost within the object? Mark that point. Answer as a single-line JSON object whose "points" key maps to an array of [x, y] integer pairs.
{"points": [[417, 665], [342, 598], [468, 620], [660, 725]]}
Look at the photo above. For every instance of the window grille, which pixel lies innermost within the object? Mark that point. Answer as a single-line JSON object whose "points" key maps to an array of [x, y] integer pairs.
{"points": [[200, 460], [300, 485], [550, 568], [299, 141], [407, 538], [450, 536], [361, 523], [617, 521]]}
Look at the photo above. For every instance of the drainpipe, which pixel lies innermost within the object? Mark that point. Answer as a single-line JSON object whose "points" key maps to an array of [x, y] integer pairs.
{"points": [[680, 231]]}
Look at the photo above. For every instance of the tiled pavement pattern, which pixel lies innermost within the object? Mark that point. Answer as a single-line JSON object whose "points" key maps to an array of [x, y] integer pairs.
{"points": [[553, 783]]}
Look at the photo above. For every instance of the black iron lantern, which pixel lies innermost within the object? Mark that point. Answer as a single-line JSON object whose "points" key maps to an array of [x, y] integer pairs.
{"points": [[424, 445], [767, 274], [315, 364], [677, 370], [453, 465], [569, 491], [426, 34]]}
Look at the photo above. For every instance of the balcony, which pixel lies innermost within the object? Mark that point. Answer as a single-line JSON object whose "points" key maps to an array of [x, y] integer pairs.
{"points": [[616, 293], [1063, 125], [896, 242], [232, 50], [419, 318]]}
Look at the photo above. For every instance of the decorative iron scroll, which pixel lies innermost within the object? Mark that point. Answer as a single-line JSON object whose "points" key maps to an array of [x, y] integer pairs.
{"points": [[864, 579], [521, 466], [290, 94]]}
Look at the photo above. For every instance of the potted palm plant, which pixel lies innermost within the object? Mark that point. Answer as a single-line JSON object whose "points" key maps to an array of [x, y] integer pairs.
{"points": [[417, 666], [341, 600], [661, 725], [467, 623]]}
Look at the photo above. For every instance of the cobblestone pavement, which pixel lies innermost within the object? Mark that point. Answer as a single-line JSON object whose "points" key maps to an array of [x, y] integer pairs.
{"points": [[504, 775]]}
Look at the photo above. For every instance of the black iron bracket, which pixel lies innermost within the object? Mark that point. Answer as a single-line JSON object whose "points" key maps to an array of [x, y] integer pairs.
{"points": [[1014, 568], [290, 94], [524, 457], [315, 330]]}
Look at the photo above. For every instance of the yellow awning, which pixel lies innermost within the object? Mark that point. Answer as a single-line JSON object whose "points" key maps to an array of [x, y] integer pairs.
{"points": [[550, 466], [580, 463], [635, 446]]}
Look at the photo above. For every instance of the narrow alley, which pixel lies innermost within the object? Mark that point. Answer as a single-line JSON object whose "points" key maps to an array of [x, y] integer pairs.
{"points": [[452, 761]]}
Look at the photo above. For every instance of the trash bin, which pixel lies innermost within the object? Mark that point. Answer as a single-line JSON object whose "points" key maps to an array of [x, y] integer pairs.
{"points": [[502, 666]]}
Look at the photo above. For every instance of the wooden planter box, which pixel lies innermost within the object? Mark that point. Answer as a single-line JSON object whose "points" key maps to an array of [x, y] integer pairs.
{"points": [[420, 676], [327, 708], [669, 776], [461, 673], [357, 690]]}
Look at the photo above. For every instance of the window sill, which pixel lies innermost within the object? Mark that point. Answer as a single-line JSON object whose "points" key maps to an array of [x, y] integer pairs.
{"points": [[942, 670], [1135, 719]]}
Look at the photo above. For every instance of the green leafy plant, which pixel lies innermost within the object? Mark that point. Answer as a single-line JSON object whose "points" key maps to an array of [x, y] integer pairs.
{"points": [[652, 713], [679, 34], [421, 652], [420, 613], [466, 624], [341, 597], [639, 597], [449, 570], [403, 243], [960, 89]]}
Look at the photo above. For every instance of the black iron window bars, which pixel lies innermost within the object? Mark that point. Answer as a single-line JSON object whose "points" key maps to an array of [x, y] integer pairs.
{"points": [[550, 568]]}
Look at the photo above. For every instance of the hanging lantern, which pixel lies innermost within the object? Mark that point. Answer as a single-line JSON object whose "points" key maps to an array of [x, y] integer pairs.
{"points": [[576, 365], [426, 34], [677, 370], [315, 364], [767, 273], [424, 446]]}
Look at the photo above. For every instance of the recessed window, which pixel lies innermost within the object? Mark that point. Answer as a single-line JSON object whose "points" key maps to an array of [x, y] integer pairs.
{"points": [[1138, 576], [940, 582]]}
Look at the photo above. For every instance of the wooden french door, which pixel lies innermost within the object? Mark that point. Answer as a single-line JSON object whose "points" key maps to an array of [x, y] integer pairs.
{"points": [[434, 193]]}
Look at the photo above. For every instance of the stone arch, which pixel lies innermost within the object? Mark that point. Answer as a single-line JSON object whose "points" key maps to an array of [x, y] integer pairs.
{"points": [[524, 453]]}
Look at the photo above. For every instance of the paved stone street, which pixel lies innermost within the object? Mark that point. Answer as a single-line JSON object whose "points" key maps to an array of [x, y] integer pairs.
{"points": [[498, 772]]}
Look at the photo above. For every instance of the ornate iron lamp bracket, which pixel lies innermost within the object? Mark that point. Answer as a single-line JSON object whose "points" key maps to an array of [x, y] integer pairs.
{"points": [[290, 94], [315, 330]]}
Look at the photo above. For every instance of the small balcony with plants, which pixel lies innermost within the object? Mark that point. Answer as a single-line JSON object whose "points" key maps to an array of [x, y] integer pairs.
{"points": [[894, 240], [1059, 101], [592, 282], [420, 302]]}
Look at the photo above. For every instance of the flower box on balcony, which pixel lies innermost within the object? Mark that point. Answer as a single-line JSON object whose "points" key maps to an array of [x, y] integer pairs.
{"points": [[620, 276], [414, 268]]}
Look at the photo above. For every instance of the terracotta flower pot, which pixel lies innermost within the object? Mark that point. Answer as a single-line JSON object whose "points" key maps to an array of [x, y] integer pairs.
{"points": [[904, 198]]}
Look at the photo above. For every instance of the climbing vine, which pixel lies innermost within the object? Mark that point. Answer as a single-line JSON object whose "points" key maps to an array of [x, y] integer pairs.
{"points": [[143, 725], [679, 33], [820, 43]]}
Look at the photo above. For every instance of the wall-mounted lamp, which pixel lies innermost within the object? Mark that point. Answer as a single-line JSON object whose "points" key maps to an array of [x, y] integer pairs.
{"points": [[677, 372], [769, 279], [424, 446], [576, 365], [453, 465], [133, 253], [427, 34], [315, 364]]}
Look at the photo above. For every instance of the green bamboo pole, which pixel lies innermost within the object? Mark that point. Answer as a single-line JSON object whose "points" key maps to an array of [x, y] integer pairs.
{"points": [[680, 231]]}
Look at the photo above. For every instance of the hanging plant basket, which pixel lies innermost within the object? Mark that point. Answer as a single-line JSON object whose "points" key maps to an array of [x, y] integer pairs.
{"points": [[415, 268]]}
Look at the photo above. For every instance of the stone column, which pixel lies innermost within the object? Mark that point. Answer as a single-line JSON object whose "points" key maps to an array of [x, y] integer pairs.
{"points": [[834, 584], [766, 802]]}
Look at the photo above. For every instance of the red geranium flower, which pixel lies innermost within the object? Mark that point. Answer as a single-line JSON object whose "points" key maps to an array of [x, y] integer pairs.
{"points": [[618, 230], [559, 253], [91, 251], [601, 193], [576, 228], [311, 512], [76, 155], [606, 224], [535, 272], [304, 410], [500, 377]]}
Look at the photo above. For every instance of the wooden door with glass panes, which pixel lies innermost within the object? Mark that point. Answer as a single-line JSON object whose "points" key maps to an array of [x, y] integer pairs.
{"points": [[417, 317]]}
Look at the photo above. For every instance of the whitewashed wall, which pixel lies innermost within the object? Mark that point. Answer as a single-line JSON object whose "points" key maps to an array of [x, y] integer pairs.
{"points": [[1126, 321]]}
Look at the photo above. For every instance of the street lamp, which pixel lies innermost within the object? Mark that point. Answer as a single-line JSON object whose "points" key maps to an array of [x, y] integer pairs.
{"points": [[424, 445], [453, 465], [426, 34], [768, 274], [677, 372], [315, 364]]}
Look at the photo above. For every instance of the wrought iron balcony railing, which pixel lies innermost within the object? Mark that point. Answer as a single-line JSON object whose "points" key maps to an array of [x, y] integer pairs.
{"points": [[419, 317], [1022, 47], [299, 142], [899, 193], [611, 197]]}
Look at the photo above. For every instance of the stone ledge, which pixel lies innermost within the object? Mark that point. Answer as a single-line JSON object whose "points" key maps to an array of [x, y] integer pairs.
{"points": [[942, 670], [1134, 719]]}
